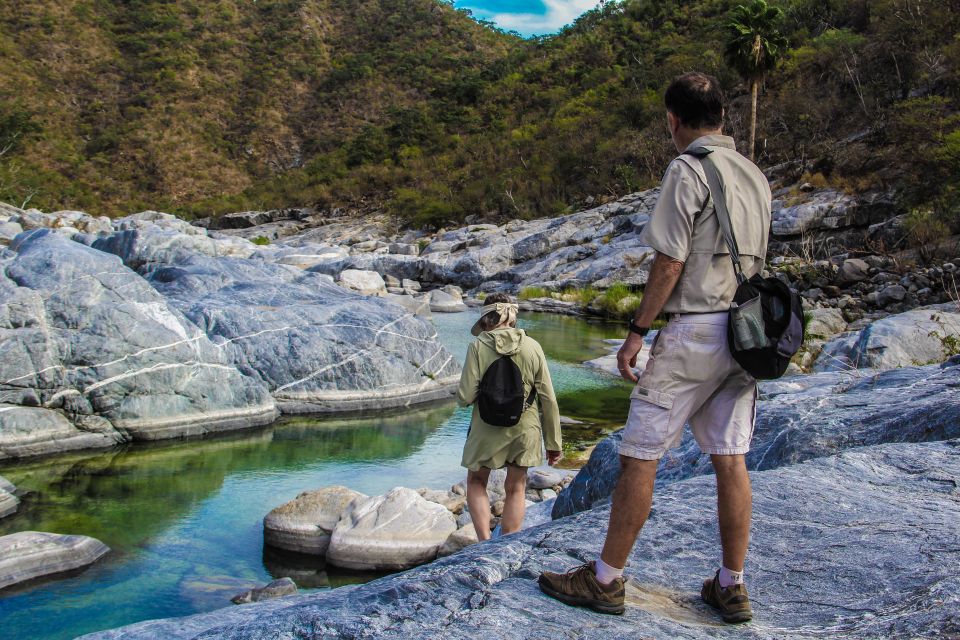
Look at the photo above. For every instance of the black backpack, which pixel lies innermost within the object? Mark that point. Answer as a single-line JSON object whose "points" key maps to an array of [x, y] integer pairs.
{"points": [[766, 316], [501, 401]]}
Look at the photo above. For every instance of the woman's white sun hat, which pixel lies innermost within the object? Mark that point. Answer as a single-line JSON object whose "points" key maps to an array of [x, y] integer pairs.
{"points": [[506, 310]]}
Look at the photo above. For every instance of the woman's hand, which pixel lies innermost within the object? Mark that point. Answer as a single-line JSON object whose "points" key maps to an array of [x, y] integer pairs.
{"points": [[553, 457]]}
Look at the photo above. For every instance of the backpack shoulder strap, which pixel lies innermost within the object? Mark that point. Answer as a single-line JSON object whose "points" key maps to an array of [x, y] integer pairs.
{"points": [[715, 184]]}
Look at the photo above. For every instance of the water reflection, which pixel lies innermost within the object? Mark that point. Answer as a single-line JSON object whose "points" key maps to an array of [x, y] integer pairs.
{"points": [[114, 496]]}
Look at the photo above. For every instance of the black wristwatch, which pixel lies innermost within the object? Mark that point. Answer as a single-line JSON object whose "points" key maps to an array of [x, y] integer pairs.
{"points": [[642, 331]]}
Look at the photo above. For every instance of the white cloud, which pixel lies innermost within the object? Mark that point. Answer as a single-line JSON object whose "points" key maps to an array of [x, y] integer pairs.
{"points": [[558, 14]]}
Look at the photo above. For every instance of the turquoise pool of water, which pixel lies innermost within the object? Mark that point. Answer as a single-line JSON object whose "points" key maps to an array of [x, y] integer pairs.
{"points": [[183, 518]]}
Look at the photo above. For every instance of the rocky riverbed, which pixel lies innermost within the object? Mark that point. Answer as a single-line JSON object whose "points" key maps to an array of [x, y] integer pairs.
{"points": [[823, 242]]}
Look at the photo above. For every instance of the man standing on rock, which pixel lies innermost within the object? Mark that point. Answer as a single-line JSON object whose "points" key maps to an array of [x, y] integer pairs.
{"points": [[690, 376]]}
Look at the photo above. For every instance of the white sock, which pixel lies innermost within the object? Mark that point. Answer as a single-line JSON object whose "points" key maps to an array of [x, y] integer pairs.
{"points": [[605, 573], [729, 578]]}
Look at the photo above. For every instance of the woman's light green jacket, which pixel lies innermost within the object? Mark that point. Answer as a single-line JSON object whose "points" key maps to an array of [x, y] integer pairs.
{"points": [[493, 447]]}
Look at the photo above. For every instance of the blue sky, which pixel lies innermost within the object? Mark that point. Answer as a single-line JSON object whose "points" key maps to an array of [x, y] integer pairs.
{"points": [[528, 17]]}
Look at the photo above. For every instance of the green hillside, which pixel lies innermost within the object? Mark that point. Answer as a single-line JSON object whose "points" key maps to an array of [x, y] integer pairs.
{"points": [[203, 107]]}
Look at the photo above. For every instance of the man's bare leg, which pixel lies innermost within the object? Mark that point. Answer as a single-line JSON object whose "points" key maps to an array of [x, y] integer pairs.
{"points": [[734, 508], [478, 501], [631, 506]]}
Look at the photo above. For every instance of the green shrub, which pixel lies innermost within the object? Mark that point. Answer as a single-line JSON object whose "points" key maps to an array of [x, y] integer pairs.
{"points": [[583, 296], [528, 293], [620, 301], [260, 240]]}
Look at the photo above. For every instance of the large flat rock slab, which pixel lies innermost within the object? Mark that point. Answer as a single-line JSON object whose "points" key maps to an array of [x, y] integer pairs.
{"points": [[317, 347], [863, 544], [29, 555], [85, 341]]}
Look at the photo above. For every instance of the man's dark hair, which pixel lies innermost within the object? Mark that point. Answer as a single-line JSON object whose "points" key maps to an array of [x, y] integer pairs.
{"points": [[696, 98]]}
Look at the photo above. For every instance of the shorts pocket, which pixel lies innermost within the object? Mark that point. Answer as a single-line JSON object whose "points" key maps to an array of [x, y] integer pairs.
{"points": [[659, 398]]}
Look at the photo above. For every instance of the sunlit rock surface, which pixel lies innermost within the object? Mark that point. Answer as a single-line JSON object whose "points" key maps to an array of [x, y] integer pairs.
{"points": [[316, 346], [91, 354], [148, 327], [597, 246], [811, 416], [304, 524], [397, 530], [29, 555], [863, 544], [916, 337]]}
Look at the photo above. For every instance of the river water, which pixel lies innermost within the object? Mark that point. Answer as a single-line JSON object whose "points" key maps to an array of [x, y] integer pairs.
{"points": [[184, 518]]}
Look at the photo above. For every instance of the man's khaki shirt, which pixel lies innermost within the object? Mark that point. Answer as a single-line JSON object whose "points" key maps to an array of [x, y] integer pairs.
{"points": [[684, 226]]}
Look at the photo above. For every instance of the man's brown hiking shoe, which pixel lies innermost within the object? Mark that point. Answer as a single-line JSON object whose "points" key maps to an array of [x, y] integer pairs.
{"points": [[580, 588], [732, 602]]}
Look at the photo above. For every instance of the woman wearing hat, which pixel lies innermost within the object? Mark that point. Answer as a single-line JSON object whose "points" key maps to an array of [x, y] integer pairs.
{"points": [[516, 447]]}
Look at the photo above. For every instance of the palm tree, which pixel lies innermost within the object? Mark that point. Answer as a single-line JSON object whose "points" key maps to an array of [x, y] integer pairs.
{"points": [[754, 47]]}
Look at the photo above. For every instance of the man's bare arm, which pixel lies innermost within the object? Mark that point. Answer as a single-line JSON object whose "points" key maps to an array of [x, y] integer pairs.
{"points": [[664, 275]]}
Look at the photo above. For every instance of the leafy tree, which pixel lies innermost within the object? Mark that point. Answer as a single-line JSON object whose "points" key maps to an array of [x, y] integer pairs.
{"points": [[754, 47]]}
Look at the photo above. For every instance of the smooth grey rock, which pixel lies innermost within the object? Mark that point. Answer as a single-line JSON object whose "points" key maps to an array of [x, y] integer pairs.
{"points": [[394, 531], [597, 245], [412, 285], [825, 323], [8, 501], [317, 347], [445, 302], [82, 334], [29, 555], [275, 589], [459, 539], [453, 502], [9, 231], [366, 282], [391, 282], [852, 270], [540, 478], [826, 560], [418, 306], [150, 238], [404, 249], [305, 260], [32, 431], [891, 294], [304, 524], [826, 209], [916, 337], [817, 416]]}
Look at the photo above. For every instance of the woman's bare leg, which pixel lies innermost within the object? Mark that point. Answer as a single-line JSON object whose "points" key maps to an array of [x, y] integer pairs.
{"points": [[515, 505], [478, 502]]}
